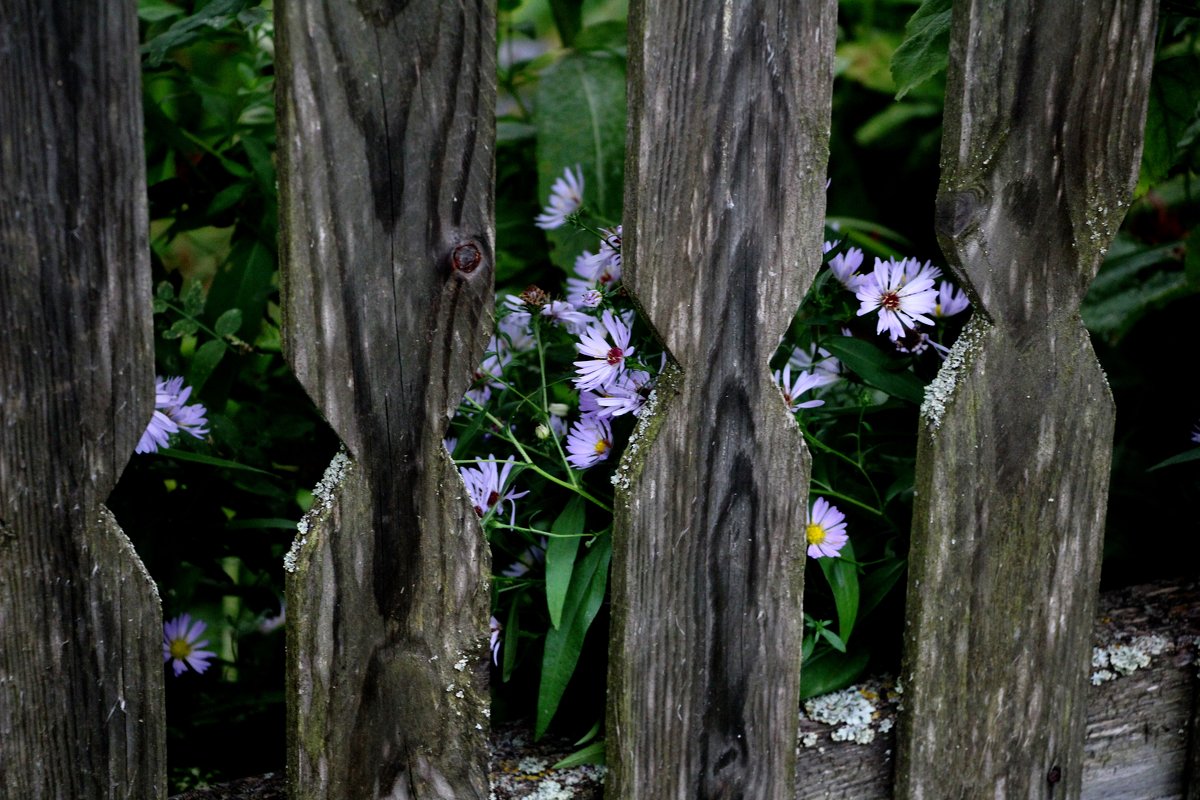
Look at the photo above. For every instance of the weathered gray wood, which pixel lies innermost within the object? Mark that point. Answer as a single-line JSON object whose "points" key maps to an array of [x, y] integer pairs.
{"points": [[729, 125], [386, 114], [1044, 113], [81, 672]]}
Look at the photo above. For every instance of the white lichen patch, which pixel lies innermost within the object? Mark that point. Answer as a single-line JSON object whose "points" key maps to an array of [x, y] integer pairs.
{"points": [[323, 495], [620, 476], [941, 388], [532, 766], [856, 714], [1124, 659]]}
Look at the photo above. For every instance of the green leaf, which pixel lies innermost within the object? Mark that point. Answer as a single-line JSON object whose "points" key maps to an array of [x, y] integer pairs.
{"points": [[608, 35], [192, 298], [886, 122], [181, 327], [157, 10], [1114, 316], [228, 323], [564, 644], [834, 640], [580, 120], [925, 49], [1182, 458], [842, 576], [1171, 113], [226, 198], [212, 461], [877, 583], [829, 670], [216, 15], [512, 631], [560, 556], [592, 754], [205, 360], [876, 368], [164, 291], [568, 18], [261, 163]]}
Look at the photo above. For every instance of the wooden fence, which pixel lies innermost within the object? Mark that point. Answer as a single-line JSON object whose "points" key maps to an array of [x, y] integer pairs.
{"points": [[386, 152]]}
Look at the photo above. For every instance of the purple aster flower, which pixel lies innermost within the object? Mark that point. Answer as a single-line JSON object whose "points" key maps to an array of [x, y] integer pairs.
{"points": [[607, 358], [172, 415], [534, 555], [271, 622], [901, 304], [486, 485], [627, 394], [490, 372], [915, 270], [917, 342], [1196, 434], [825, 530], [603, 268], [494, 627], [181, 644], [819, 361], [589, 442], [792, 390], [563, 313], [845, 268], [566, 196], [950, 300]]}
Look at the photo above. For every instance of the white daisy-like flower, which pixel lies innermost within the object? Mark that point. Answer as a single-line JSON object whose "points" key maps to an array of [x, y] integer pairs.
{"points": [[825, 531], [901, 303], [608, 347], [792, 390], [566, 197]]}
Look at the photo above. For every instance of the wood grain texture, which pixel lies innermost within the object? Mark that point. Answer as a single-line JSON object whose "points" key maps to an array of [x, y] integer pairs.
{"points": [[1044, 114], [729, 125], [81, 673], [386, 114]]}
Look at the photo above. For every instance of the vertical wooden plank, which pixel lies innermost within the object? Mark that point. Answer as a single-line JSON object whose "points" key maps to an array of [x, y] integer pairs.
{"points": [[81, 673], [729, 110], [1044, 114], [386, 113]]}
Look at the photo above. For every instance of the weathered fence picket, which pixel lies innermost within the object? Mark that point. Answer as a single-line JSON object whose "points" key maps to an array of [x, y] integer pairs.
{"points": [[81, 675], [729, 124], [1045, 107], [386, 131]]}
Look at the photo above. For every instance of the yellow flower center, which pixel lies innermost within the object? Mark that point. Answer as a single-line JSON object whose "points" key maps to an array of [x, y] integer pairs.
{"points": [[180, 648], [602, 446], [814, 533]]}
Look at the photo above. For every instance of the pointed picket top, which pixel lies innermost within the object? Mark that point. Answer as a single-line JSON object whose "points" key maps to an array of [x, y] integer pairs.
{"points": [[1045, 107], [729, 120], [386, 140]]}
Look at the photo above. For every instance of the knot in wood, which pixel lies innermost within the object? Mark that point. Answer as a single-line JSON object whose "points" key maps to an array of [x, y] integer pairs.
{"points": [[466, 258], [1054, 775]]}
